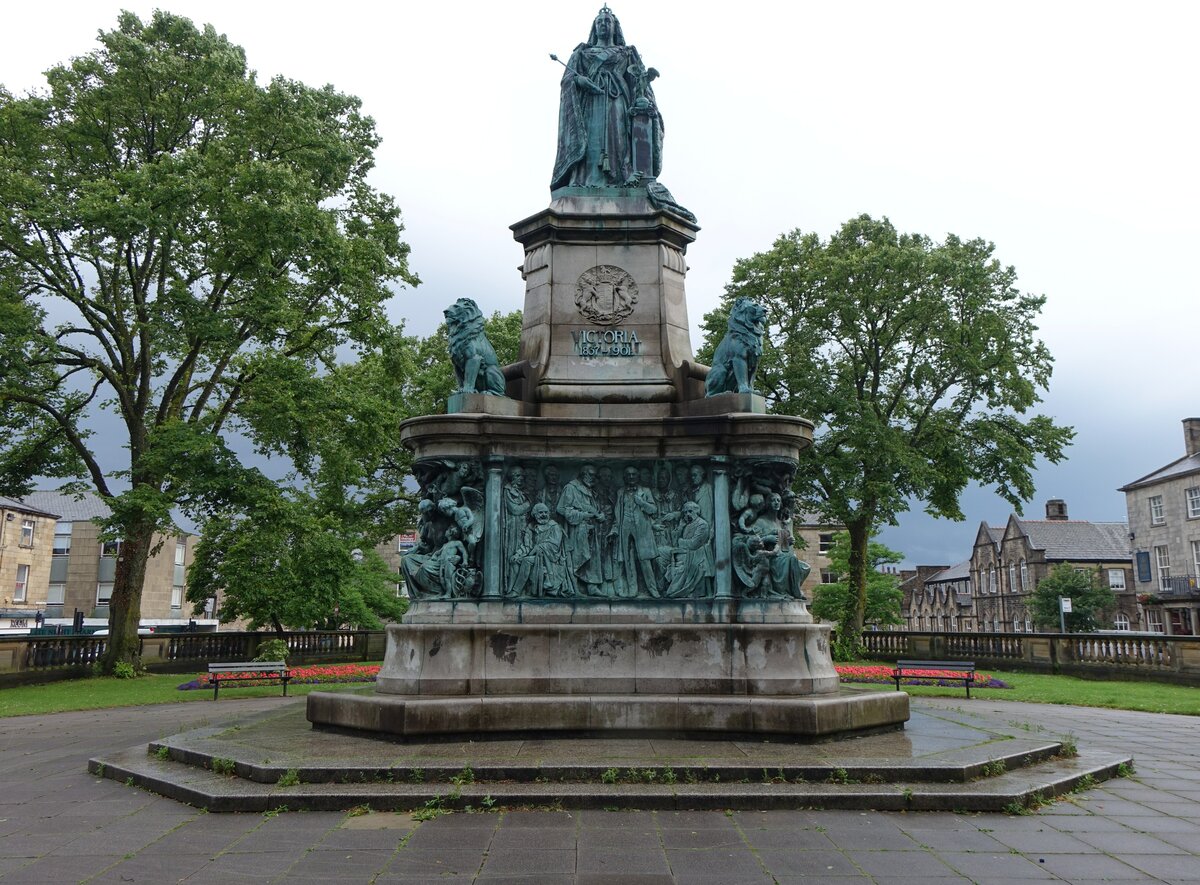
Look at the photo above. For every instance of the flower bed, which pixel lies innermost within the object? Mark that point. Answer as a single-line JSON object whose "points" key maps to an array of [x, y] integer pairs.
{"points": [[882, 674], [303, 675]]}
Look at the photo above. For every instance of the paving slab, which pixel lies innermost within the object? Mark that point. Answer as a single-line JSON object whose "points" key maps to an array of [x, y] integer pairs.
{"points": [[1121, 842]]}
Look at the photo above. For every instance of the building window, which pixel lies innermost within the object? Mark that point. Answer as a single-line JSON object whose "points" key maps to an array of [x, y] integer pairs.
{"points": [[1121, 622], [62, 539], [1012, 578], [103, 593], [828, 576], [1196, 557], [56, 594], [824, 543], [1016, 625], [991, 579], [1024, 576], [1193, 502], [26, 532], [22, 583], [110, 548], [1157, 517], [1028, 626], [1162, 558], [1154, 620], [1116, 579]]}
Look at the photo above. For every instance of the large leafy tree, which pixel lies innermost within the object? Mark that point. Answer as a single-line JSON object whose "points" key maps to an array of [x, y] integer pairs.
{"points": [[834, 602], [181, 246], [292, 554], [917, 361], [1090, 599]]}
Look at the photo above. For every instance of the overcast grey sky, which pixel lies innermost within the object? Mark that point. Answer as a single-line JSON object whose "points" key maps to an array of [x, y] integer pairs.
{"points": [[1065, 133]]}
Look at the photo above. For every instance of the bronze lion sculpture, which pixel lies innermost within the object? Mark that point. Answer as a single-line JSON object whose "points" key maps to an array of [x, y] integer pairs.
{"points": [[476, 368], [737, 355]]}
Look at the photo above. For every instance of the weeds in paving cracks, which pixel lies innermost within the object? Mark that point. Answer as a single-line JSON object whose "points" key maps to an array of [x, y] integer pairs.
{"points": [[994, 768], [1126, 769], [1069, 749], [224, 766], [290, 778], [163, 754]]}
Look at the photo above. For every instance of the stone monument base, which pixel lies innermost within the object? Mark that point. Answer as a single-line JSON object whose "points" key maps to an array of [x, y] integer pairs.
{"points": [[706, 716], [712, 679]]}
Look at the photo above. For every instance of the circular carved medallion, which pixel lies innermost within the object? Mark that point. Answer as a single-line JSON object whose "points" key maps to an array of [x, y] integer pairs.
{"points": [[605, 294]]}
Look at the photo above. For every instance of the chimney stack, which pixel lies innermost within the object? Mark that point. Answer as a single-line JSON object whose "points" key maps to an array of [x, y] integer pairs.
{"points": [[1056, 509], [1191, 435]]}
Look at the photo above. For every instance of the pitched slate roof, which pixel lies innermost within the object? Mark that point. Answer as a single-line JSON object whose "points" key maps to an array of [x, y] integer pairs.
{"points": [[68, 506], [954, 573], [25, 507], [1185, 465], [1078, 540]]}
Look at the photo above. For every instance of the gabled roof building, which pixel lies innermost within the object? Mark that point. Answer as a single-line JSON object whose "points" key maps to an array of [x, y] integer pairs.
{"points": [[1009, 562], [1164, 525]]}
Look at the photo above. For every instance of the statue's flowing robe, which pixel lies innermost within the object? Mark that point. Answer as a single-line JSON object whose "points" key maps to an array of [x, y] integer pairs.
{"points": [[581, 111]]}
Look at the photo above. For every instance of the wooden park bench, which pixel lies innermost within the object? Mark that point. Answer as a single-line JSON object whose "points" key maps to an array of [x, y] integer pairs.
{"points": [[232, 674], [964, 670]]}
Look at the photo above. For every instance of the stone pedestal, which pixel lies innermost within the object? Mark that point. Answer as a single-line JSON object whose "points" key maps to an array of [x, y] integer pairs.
{"points": [[606, 550]]}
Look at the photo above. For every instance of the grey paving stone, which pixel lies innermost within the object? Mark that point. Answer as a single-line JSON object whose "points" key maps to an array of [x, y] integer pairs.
{"points": [[737, 863], [626, 840], [340, 839], [701, 838], [955, 840], [1092, 866], [870, 838], [624, 879], [514, 862], [63, 869], [339, 864], [434, 862], [888, 865], [1044, 842], [784, 839], [472, 838], [782, 863], [1129, 842], [994, 866], [533, 838], [1172, 867], [612, 862]]}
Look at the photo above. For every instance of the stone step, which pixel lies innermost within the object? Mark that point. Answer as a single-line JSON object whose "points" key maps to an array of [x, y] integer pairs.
{"points": [[950, 767], [200, 787]]}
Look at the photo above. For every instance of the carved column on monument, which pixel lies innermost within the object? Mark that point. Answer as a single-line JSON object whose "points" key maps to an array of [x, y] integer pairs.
{"points": [[494, 540], [721, 526]]}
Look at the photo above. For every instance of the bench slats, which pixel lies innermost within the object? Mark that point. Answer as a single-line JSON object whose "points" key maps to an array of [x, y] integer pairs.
{"points": [[965, 667], [276, 670]]}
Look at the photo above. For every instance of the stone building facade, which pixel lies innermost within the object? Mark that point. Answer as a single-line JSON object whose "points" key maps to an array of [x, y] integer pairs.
{"points": [[26, 538], [817, 535], [938, 598], [1164, 526], [81, 567], [1009, 561]]}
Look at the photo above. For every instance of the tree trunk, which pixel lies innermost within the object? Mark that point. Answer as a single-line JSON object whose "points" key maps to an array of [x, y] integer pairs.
{"points": [[279, 631], [860, 535], [125, 606]]}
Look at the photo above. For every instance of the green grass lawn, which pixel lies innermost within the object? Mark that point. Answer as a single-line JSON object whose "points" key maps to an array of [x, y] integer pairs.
{"points": [[98, 693], [1043, 688]]}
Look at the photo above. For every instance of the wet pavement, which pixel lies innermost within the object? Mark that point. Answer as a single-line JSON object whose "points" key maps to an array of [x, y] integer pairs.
{"points": [[60, 824]]}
